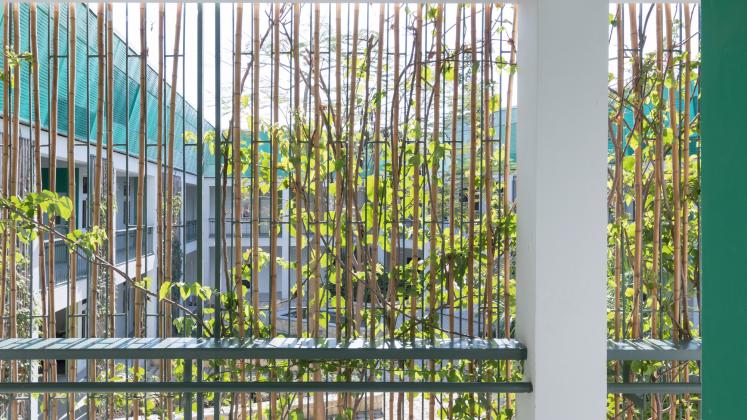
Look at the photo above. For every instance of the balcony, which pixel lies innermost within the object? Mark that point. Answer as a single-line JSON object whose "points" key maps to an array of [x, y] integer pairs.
{"points": [[190, 228], [125, 241]]}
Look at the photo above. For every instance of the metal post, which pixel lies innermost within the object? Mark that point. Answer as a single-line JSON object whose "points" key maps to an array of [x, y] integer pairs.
{"points": [[187, 395], [200, 175], [218, 200]]}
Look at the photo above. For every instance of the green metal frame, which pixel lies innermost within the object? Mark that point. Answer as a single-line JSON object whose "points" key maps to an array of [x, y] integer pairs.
{"points": [[724, 206], [277, 348]]}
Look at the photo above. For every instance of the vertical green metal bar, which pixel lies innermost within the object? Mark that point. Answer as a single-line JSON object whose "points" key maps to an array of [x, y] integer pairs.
{"points": [[200, 175], [724, 206], [187, 395], [218, 200]]}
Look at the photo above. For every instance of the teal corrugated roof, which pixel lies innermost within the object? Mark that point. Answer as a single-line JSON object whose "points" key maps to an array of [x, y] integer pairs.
{"points": [[126, 88]]}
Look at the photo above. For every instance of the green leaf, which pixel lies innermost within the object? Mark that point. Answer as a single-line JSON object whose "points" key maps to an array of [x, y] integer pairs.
{"points": [[164, 291]]}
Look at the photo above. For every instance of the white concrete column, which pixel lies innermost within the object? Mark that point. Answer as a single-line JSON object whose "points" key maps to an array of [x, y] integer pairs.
{"points": [[561, 193]]}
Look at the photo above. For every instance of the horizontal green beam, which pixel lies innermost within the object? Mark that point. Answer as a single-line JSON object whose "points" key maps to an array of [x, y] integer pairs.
{"points": [[277, 348], [653, 388], [447, 387], [649, 349], [179, 387]]}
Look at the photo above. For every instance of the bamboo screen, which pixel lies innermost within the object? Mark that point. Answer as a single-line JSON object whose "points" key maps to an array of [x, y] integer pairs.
{"points": [[380, 135], [654, 195]]}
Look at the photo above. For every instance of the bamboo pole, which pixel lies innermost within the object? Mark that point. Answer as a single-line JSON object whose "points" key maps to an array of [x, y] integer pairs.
{"points": [[685, 376], [72, 277], [338, 176], [658, 192], [92, 299], [298, 177], [488, 178], [256, 51], [236, 168], [163, 327], [139, 297], [394, 234], [618, 180], [488, 151], [38, 186], [297, 173], [377, 175], [676, 199], [339, 187], [372, 270], [273, 169], [434, 214], [169, 194], [453, 166], [273, 184], [6, 169], [414, 262], [170, 157], [658, 174], [139, 303], [686, 168], [14, 175], [506, 174], [676, 178], [159, 171], [506, 197], [638, 183], [255, 166], [314, 289], [471, 179], [453, 177], [350, 187], [111, 292]]}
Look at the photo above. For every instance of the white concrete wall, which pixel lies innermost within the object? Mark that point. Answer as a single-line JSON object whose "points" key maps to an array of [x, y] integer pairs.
{"points": [[561, 194]]}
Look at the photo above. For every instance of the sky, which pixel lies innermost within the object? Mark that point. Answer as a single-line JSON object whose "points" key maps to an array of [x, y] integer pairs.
{"points": [[127, 25]]}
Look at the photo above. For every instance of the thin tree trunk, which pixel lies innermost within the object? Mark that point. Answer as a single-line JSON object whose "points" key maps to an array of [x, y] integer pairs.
{"points": [[638, 184]]}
